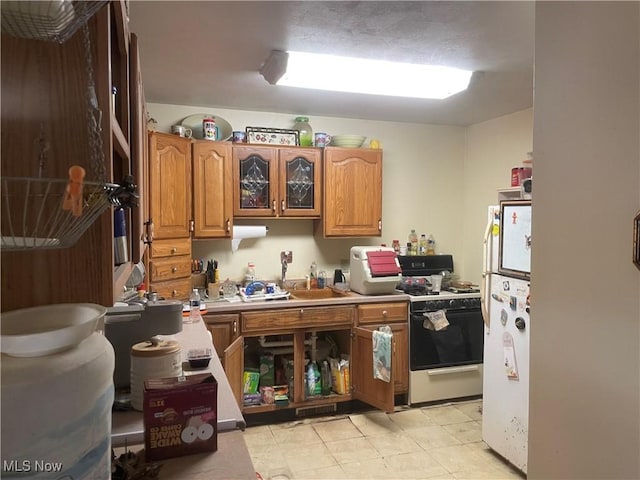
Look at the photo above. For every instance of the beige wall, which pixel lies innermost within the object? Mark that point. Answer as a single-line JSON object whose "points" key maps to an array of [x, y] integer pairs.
{"points": [[492, 149], [425, 186], [585, 320]]}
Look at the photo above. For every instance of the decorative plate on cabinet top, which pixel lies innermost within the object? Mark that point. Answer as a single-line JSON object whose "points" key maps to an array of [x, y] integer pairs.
{"points": [[194, 122]]}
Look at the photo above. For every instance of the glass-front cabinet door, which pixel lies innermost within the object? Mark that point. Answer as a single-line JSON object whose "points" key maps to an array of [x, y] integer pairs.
{"points": [[277, 181], [300, 182], [254, 171]]}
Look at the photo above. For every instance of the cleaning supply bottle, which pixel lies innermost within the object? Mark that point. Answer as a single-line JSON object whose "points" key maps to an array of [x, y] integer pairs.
{"points": [[413, 241], [422, 245], [326, 378], [431, 245], [311, 379]]}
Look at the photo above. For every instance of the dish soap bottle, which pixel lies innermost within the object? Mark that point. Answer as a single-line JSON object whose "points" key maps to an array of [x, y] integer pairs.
{"points": [[250, 276], [306, 133], [313, 275]]}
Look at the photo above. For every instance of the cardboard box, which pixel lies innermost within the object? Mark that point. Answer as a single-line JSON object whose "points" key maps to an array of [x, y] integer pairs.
{"points": [[180, 416], [251, 379]]}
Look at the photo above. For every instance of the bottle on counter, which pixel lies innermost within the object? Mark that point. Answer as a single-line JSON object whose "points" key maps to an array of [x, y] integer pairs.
{"points": [[431, 245], [194, 307], [422, 244], [413, 242], [313, 275], [250, 276], [306, 133], [396, 246]]}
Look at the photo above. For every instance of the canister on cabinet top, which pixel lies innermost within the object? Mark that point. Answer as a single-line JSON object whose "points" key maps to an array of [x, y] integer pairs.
{"points": [[209, 128]]}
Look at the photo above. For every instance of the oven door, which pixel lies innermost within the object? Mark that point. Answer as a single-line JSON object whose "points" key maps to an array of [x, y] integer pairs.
{"points": [[460, 343]]}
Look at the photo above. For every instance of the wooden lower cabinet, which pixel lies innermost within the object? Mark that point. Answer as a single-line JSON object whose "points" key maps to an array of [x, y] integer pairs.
{"points": [[290, 335], [396, 315], [400, 355], [224, 330]]}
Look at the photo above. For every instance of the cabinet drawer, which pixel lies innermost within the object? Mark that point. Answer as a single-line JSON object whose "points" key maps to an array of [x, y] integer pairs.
{"points": [[383, 312], [173, 289], [294, 318], [169, 268], [171, 247]]}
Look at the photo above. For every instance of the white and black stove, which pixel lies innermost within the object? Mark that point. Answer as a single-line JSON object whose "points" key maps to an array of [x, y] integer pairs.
{"points": [[446, 362]]}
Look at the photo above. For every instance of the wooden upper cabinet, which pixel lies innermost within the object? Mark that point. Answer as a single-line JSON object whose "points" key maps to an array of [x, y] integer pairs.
{"points": [[139, 156], [212, 189], [352, 192], [300, 186], [277, 181], [170, 182]]}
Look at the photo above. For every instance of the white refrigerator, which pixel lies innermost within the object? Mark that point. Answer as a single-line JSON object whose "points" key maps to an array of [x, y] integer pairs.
{"points": [[505, 298]]}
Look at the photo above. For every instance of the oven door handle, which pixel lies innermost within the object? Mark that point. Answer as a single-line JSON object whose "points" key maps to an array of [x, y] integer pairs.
{"points": [[447, 370]]}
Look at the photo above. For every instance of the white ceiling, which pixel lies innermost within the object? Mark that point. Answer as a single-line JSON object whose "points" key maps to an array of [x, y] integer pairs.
{"points": [[209, 53]]}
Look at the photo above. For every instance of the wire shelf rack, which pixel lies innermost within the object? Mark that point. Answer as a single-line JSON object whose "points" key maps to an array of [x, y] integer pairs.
{"points": [[34, 214], [54, 20]]}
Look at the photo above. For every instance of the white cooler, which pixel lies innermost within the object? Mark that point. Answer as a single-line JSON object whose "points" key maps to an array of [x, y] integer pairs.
{"points": [[374, 270]]}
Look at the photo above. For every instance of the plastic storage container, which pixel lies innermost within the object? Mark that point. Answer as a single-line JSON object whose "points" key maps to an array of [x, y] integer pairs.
{"points": [[69, 393], [153, 359]]}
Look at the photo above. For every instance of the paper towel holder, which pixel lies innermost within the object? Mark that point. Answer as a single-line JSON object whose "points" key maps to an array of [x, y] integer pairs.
{"points": [[235, 242]]}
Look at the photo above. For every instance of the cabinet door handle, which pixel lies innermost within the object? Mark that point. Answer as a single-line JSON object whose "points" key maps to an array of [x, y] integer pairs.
{"points": [[380, 225], [301, 311], [174, 269], [385, 313], [273, 206], [174, 250], [235, 327], [282, 206], [228, 225], [174, 293]]}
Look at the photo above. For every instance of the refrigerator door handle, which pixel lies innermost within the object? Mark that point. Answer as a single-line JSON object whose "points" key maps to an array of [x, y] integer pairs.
{"points": [[486, 274]]}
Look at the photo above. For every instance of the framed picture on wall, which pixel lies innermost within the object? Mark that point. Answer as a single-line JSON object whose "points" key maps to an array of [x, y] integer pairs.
{"points": [[272, 136]]}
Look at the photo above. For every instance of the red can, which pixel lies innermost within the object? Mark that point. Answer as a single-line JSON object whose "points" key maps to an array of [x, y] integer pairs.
{"points": [[518, 174]]}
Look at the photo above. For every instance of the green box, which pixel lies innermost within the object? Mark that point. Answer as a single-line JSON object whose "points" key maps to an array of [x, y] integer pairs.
{"points": [[251, 379]]}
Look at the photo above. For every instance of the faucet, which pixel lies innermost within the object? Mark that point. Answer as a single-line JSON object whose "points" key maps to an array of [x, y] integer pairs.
{"points": [[284, 271]]}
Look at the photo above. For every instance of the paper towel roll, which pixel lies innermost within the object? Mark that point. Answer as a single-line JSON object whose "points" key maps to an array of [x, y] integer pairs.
{"points": [[241, 232]]}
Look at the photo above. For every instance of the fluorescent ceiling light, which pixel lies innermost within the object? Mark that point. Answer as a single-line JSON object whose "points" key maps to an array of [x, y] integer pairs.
{"points": [[375, 77]]}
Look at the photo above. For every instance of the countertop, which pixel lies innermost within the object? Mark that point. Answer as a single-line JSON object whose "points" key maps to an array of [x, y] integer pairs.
{"points": [[127, 426], [350, 298], [232, 459]]}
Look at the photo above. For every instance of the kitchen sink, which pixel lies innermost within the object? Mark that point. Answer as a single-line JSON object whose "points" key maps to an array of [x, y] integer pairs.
{"points": [[317, 294]]}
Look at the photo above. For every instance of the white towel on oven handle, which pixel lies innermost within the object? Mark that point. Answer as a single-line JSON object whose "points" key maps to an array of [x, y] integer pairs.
{"points": [[435, 320], [382, 339]]}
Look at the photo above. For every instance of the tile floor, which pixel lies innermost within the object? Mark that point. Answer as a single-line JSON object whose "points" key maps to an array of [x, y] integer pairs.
{"points": [[433, 442]]}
